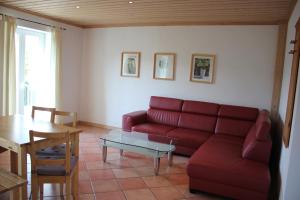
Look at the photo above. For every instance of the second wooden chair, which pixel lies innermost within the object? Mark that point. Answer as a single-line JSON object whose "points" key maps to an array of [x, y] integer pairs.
{"points": [[43, 109]]}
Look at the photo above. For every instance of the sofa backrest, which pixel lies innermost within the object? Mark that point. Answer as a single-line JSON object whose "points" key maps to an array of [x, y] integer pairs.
{"points": [[165, 103], [235, 120], [164, 110], [198, 115], [258, 143]]}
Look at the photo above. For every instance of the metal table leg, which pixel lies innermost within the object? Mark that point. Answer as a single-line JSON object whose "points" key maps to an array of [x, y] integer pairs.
{"points": [[170, 158], [156, 165], [104, 153]]}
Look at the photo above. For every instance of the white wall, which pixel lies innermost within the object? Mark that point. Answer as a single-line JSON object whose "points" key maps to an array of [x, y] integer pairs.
{"points": [[71, 57], [71, 67], [245, 59], [290, 163]]}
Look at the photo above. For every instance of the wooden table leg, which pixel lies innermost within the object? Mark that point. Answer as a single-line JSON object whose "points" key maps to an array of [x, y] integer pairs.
{"points": [[14, 169], [18, 165], [75, 176]]}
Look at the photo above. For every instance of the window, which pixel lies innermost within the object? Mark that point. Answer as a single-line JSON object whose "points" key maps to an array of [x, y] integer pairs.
{"points": [[35, 76]]}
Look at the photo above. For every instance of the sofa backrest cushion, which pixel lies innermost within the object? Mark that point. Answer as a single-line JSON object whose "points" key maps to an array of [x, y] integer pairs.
{"points": [[238, 112], [163, 117], [198, 122], [164, 103], [233, 127], [257, 145], [235, 120], [199, 107]]}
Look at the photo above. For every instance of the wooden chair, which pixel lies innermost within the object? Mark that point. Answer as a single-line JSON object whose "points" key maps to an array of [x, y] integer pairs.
{"points": [[43, 109], [61, 148], [48, 151], [73, 115], [51, 169]]}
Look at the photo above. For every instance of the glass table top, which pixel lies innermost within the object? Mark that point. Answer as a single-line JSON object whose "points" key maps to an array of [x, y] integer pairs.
{"points": [[120, 139]]}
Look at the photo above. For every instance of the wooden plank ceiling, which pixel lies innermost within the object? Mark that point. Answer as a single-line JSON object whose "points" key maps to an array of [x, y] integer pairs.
{"points": [[106, 13]]}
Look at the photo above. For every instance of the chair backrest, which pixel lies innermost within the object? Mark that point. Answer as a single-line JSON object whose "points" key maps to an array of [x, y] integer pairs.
{"points": [[50, 139], [73, 115], [43, 109]]}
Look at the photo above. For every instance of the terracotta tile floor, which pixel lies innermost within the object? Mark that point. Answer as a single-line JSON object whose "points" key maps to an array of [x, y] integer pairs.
{"points": [[129, 177]]}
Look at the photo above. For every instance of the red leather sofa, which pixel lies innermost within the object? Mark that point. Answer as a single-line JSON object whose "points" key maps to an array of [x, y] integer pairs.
{"points": [[229, 146]]}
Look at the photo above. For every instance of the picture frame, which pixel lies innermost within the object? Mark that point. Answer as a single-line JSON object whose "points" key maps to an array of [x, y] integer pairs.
{"points": [[130, 64], [202, 68], [164, 66]]}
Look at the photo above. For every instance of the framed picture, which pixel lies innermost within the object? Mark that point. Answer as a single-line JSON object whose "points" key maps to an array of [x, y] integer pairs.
{"points": [[164, 66], [130, 64], [202, 68]]}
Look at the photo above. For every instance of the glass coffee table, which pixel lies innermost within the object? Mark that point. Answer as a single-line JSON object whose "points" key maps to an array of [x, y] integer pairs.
{"points": [[149, 145]]}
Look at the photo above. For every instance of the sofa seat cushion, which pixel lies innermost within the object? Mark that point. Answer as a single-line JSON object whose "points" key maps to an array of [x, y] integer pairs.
{"points": [[189, 137], [219, 160], [153, 128]]}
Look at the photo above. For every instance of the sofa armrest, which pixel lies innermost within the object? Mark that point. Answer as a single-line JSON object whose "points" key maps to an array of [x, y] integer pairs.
{"points": [[132, 119]]}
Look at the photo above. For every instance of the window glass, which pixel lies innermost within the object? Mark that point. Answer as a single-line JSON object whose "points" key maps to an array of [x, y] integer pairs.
{"points": [[35, 76]]}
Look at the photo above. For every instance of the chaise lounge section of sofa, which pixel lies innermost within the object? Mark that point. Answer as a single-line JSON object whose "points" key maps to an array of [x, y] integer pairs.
{"points": [[229, 146]]}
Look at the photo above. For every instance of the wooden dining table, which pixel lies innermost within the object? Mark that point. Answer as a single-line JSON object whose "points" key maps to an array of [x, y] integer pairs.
{"points": [[14, 136]]}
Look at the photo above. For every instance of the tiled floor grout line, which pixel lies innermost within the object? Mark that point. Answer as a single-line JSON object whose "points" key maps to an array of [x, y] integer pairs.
{"points": [[153, 193]]}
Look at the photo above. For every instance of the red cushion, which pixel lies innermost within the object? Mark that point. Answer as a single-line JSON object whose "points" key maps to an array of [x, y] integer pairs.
{"points": [[153, 128], [238, 112], [188, 137], [159, 138], [163, 117], [258, 151], [233, 127], [199, 107], [133, 118], [258, 143], [165, 103], [228, 139], [263, 130], [219, 160], [263, 125], [198, 122], [186, 151]]}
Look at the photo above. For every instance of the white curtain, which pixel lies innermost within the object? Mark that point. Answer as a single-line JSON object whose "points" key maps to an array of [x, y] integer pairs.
{"points": [[8, 65], [56, 63]]}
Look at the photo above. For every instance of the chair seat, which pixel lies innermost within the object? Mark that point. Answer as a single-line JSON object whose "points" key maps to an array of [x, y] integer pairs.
{"points": [[55, 170], [58, 150]]}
